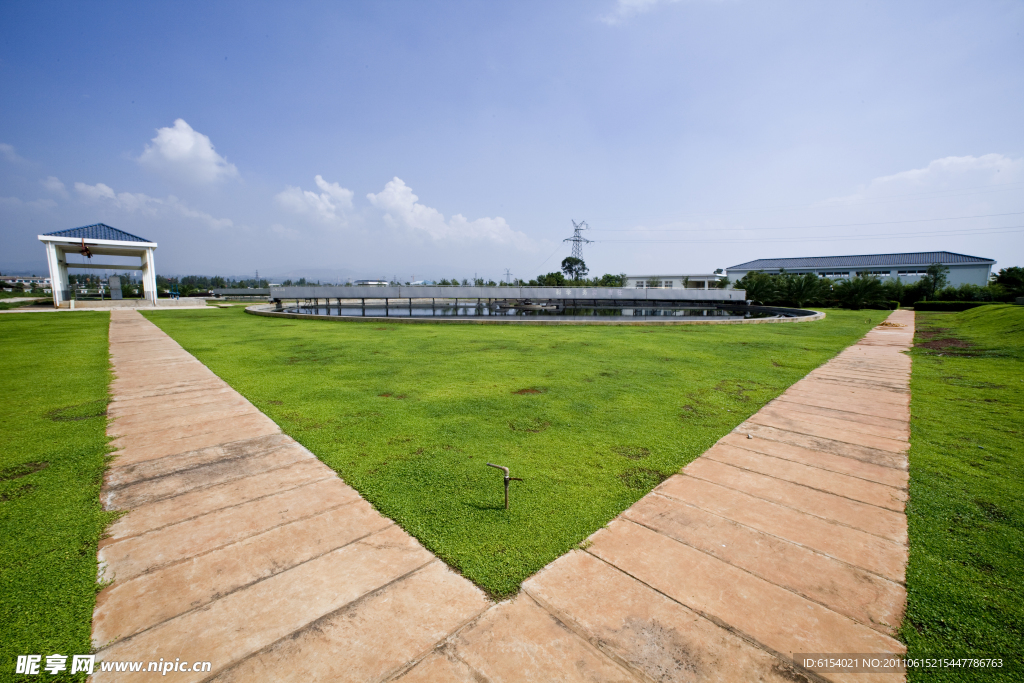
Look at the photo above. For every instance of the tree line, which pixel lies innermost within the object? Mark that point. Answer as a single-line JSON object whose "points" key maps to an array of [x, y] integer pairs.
{"points": [[869, 291]]}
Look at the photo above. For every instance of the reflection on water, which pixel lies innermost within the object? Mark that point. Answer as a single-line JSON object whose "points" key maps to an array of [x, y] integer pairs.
{"points": [[397, 310]]}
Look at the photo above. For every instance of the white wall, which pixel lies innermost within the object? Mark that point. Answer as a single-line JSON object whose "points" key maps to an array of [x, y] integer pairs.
{"points": [[973, 274]]}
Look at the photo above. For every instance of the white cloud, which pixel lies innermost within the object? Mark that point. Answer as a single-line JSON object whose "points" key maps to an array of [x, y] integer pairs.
{"points": [[7, 151], [403, 210], [949, 176], [186, 154], [329, 206], [949, 170], [54, 185], [97, 191], [137, 202], [627, 9]]}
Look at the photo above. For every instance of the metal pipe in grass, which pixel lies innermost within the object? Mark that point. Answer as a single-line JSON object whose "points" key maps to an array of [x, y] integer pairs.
{"points": [[507, 480]]}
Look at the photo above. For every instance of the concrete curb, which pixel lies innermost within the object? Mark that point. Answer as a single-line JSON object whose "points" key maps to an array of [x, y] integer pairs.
{"points": [[266, 310]]}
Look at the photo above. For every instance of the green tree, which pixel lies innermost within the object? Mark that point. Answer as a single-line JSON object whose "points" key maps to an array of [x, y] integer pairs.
{"points": [[555, 279], [895, 290], [609, 280], [574, 268], [1012, 279], [860, 292], [760, 287], [935, 278], [802, 289]]}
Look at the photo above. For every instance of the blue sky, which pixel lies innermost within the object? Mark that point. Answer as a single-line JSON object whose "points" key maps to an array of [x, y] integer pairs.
{"points": [[430, 140]]}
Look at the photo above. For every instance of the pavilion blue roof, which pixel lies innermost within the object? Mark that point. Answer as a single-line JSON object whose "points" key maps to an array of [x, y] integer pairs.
{"points": [[920, 258], [98, 231]]}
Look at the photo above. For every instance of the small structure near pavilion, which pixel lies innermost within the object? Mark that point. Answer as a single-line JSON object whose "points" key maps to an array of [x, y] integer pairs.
{"points": [[97, 240]]}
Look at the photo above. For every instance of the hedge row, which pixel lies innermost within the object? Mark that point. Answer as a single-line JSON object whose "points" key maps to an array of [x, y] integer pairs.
{"points": [[954, 306]]}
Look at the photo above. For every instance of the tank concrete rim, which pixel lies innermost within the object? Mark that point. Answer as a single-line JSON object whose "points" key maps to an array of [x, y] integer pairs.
{"points": [[267, 310]]}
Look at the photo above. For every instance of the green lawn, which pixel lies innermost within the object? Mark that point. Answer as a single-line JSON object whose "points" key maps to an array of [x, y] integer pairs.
{"points": [[5, 305], [53, 448], [590, 417], [965, 579]]}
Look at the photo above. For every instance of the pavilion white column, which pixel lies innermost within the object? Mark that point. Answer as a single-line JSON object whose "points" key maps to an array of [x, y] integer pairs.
{"points": [[62, 273], [55, 285], [149, 276], [51, 263]]}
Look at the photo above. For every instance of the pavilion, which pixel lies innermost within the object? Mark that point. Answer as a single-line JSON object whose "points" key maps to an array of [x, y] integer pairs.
{"points": [[97, 240]]}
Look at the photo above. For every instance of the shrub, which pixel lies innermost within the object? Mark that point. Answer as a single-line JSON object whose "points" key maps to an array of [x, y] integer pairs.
{"points": [[954, 306]]}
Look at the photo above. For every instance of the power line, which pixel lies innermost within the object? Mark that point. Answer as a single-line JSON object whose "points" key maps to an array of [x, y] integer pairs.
{"points": [[934, 233], [547, 259], [814, 227], [955, 192]]}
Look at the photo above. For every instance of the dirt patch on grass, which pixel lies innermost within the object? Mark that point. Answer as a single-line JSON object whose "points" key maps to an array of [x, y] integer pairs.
{"points": [[950, 343], [641, 478], [532, 426], [276, 403], [398, 397], [16, 493], [24, 469], [632, 452], [697, 410], [992, 511], [80, 411], [528, 391], [929, 332], [737, 389]]}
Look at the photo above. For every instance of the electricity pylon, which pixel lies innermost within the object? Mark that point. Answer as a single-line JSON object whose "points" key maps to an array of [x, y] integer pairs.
{"points": [[577, 239]]}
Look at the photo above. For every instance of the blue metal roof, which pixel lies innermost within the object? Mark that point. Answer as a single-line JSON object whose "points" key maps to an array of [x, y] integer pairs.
{"points": [[920, 258], [99, 231]]}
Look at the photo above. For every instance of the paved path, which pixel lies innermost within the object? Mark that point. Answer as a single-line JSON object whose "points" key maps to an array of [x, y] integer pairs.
{"points": [[243, 549]]}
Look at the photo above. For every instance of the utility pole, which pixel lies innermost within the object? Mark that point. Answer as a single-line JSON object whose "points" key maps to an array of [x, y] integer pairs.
{"points": [[257, 278], [577, 239], [508, 277]]}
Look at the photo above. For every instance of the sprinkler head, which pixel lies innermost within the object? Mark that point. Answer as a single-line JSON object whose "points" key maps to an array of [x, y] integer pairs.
{"points": [[507, 479]]}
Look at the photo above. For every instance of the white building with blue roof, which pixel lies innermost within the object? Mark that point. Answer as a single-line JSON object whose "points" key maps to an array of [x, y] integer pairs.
{"points": [[909, 267], [97, 240]]}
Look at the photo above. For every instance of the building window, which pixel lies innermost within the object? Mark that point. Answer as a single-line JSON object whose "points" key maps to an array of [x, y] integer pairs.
{"points": [[667, 284], [640, 284]]}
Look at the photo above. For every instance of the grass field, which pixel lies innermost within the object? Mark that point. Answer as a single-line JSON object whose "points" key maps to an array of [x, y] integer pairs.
{"points": [[53, 447], [5, 304], [965, 579], [590, 417]]}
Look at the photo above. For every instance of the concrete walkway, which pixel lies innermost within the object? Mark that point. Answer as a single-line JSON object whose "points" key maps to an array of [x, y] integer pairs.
{"points": [[244, 550]]}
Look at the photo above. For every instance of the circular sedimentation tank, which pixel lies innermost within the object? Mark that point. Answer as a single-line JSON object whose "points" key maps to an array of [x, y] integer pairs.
{"points": [[525, 305]]}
